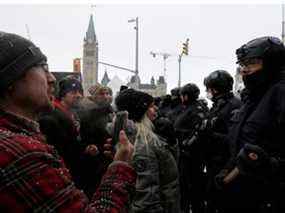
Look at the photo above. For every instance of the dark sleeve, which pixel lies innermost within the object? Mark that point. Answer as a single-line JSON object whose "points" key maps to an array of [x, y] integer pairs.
{"points": [[265, 124], [51, 128], [59, 133], [258, 123]]}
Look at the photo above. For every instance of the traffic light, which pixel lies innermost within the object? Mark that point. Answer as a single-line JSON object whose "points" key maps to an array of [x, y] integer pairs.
{"points": [[185, 47]]}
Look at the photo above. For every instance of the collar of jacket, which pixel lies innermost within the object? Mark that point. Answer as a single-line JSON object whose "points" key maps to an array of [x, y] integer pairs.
{"points": [[18, 123], [222, 97]]}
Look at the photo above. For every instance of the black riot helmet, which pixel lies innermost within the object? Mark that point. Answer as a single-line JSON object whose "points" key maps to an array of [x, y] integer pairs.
{"points": [[270, 49], [191, 90], [219, 80], [175, 92]]}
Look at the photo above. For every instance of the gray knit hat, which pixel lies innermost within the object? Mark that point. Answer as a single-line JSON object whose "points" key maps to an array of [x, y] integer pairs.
{"points": [[17, 55]]}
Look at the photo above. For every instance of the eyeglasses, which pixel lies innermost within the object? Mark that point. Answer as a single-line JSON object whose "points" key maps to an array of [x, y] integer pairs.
{"points": [[44, 66], [251, 61]]}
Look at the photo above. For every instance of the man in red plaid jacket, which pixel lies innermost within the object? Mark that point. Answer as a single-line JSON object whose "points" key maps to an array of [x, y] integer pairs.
{"points": [[33, 177]]}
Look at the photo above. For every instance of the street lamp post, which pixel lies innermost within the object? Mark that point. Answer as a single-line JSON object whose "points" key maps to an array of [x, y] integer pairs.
{"points": [[179, 71], [137, 43], [283, 24], [165, 56]]}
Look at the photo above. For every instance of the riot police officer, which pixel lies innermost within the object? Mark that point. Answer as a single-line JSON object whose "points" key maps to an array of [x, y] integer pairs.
{"points": [[219, 86], [176, 105], [191, 165], [257, 150]]}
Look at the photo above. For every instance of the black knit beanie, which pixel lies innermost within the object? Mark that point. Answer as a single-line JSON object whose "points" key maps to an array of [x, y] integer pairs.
{"points": [[17, 55], [68, 84], [135, 102]]}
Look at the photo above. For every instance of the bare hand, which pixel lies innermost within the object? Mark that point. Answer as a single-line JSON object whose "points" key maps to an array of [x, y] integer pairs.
{"points": [[124, 148], [109, 149], [92, 150]]}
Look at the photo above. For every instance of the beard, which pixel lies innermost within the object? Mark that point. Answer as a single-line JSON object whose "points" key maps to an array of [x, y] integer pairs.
{"points": [[103, 103]]}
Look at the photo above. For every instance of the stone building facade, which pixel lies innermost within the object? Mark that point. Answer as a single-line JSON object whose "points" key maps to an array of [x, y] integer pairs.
{"points": [[156, 89]]}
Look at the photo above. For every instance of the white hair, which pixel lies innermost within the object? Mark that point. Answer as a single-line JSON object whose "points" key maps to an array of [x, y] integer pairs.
{"points": [[145, 129]]}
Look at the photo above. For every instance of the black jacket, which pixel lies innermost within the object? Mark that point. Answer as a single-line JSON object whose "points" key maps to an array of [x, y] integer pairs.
{"points": [[188, 124], [93, 123], [61, 132], [219, 120], [261, 121]]}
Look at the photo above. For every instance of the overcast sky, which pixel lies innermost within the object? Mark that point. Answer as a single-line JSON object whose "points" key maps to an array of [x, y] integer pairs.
{"points": [[215, 32]]}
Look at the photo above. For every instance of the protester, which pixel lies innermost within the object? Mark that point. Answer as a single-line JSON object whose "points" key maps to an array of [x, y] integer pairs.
{"points": [[101, 95], [157, 185], [33, 176], [94, 118], [61, 126]]}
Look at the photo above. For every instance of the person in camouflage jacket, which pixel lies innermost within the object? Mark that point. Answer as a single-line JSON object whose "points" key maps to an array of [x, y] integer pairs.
{"points": [[157, 185]]}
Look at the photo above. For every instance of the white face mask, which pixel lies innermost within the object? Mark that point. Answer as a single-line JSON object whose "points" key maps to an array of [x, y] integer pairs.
{"points": [[209, 95]]}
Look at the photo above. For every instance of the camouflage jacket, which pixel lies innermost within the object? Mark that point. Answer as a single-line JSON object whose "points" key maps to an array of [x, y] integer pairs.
{"points": [[157, 186]]}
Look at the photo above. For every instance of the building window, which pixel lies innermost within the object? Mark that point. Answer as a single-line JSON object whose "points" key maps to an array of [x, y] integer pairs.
{"points": [[90, 63], [90, 53]]}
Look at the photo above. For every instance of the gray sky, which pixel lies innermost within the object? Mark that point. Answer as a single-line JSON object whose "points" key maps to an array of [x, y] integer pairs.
{"points": [[215, 31]]}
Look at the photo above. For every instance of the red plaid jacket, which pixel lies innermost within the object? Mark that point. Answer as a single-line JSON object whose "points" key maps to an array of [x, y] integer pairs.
{"points": [[33, 177]]}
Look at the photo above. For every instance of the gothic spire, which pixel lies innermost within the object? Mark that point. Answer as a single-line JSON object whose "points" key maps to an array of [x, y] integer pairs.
{"points": [[105, 79], [90, 34]]}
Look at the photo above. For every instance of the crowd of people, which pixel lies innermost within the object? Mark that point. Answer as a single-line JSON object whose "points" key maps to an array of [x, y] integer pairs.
{"points": [[59, 152]]}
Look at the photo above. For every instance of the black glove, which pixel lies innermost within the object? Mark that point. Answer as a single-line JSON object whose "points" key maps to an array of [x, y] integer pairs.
{"points": [[254, 161], [219, 179]]}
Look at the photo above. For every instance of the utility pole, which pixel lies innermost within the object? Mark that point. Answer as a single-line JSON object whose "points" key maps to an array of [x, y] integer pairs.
{"points": [[179, 71], [137, 43], [137, 46], [164, 56], [283, 24], [28, 32]]}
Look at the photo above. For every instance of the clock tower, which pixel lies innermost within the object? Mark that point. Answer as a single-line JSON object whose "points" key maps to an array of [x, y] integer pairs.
{"points": [[90, 58]]}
